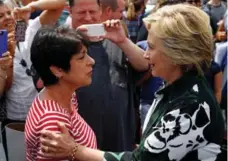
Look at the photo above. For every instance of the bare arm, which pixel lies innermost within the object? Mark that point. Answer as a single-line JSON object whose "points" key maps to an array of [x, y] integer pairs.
{"points": [[87, 154], [52, 142], [144, 78], [116, 33], [218, 86], [134, 55], [53, 9]]}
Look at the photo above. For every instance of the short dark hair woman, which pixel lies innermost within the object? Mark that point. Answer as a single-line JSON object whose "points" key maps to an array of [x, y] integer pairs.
{"points": [[60, 57]]}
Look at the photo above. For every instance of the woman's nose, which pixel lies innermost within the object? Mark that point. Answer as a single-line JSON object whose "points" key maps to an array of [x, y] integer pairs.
{"points": [[146, 55], [91, 61]]}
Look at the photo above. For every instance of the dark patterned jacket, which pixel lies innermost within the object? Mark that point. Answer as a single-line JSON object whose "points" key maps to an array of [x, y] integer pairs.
{"points": [[184, 123]]}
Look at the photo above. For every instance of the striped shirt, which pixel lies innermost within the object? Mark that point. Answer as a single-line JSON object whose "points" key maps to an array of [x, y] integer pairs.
{"points": [[43, 115]]}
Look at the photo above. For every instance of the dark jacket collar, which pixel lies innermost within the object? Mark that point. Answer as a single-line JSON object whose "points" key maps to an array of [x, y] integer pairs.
{"points": [[178, 87]]}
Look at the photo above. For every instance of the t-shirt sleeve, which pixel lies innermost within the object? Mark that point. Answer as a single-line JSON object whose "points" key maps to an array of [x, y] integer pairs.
{"points": [[49, 122], [33, 27], [215, 68]]}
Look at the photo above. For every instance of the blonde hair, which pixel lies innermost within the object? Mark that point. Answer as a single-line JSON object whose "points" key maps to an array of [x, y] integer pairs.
{"points": [[185, 33], [131, 8]]}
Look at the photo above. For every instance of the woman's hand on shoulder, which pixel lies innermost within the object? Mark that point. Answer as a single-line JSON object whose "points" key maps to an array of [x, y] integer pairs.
{"points": [[57, 145]]}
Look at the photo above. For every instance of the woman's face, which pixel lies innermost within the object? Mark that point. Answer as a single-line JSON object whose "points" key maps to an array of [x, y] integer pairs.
{"points": [[80, 72], [6, 18], [160, 64]]}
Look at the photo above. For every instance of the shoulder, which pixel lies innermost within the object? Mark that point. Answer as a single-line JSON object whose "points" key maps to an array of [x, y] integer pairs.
{"points": [[195, 95], [223, 5], [215, 67], [34, 24], [46, 110]]}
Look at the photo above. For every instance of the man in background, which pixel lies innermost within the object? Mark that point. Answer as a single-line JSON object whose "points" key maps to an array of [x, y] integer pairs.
{"points": [[107, 104]]}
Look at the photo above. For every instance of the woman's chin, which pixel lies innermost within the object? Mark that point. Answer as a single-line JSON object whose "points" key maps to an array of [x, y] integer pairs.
{"points": [[88, 82]]}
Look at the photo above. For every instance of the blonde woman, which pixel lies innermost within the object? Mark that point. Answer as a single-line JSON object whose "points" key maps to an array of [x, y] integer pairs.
{"points": [[182, 120], [135, 11]]}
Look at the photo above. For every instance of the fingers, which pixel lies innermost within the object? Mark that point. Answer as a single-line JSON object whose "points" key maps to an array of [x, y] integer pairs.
{"points": [[63, 128], [54, 155], [22, 13], [48, 134], [221, 35], [48, 142], [111, 23], [11, 36], [16, 13], [82, 28], [51, 149], [110, 26], [48, 149], [11, 27], [50, 138], [5, 55], [11, 43], [49, 152]]}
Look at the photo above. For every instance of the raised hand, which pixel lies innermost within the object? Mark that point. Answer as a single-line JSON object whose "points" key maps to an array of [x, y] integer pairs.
{"points": [[114, 31], [83, 32], [22, 13]]}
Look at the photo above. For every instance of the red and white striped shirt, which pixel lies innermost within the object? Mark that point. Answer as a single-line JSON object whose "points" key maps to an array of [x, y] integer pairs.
{"points": [[43, 115]]}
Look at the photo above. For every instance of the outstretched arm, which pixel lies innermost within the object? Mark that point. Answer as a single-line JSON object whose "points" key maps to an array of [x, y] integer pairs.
{"points": [[52, 10], [115, 33]]}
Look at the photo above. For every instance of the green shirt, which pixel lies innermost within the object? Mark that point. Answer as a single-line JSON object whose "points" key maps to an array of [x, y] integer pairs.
{"points": [[180, 124]]}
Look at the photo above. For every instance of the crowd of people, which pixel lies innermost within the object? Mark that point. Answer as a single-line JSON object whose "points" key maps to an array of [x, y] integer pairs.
{"points": [[153, 87]]}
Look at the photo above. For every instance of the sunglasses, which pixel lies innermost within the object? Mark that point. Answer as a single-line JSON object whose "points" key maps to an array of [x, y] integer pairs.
{"points": [[28, 71]]}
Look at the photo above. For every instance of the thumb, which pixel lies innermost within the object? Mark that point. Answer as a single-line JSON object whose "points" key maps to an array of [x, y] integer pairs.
{"points": [[105, 36], [82, 28], [63, 128]]}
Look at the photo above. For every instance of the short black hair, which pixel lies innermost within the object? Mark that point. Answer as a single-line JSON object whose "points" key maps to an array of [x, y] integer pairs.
{"points": [[71, 2], [54, 46]]}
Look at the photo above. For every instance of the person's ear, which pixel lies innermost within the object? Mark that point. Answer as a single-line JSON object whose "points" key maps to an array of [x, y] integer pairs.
{"points": [[58, 72]]}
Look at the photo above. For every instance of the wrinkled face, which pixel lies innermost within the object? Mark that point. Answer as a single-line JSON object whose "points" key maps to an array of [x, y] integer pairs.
{"points": [[118, 13], [6, 18], [85, 12], [161, 65], [80, 72]]}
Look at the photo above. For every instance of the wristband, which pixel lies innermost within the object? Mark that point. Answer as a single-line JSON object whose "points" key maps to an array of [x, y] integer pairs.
{"points": [[73, 152]]}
